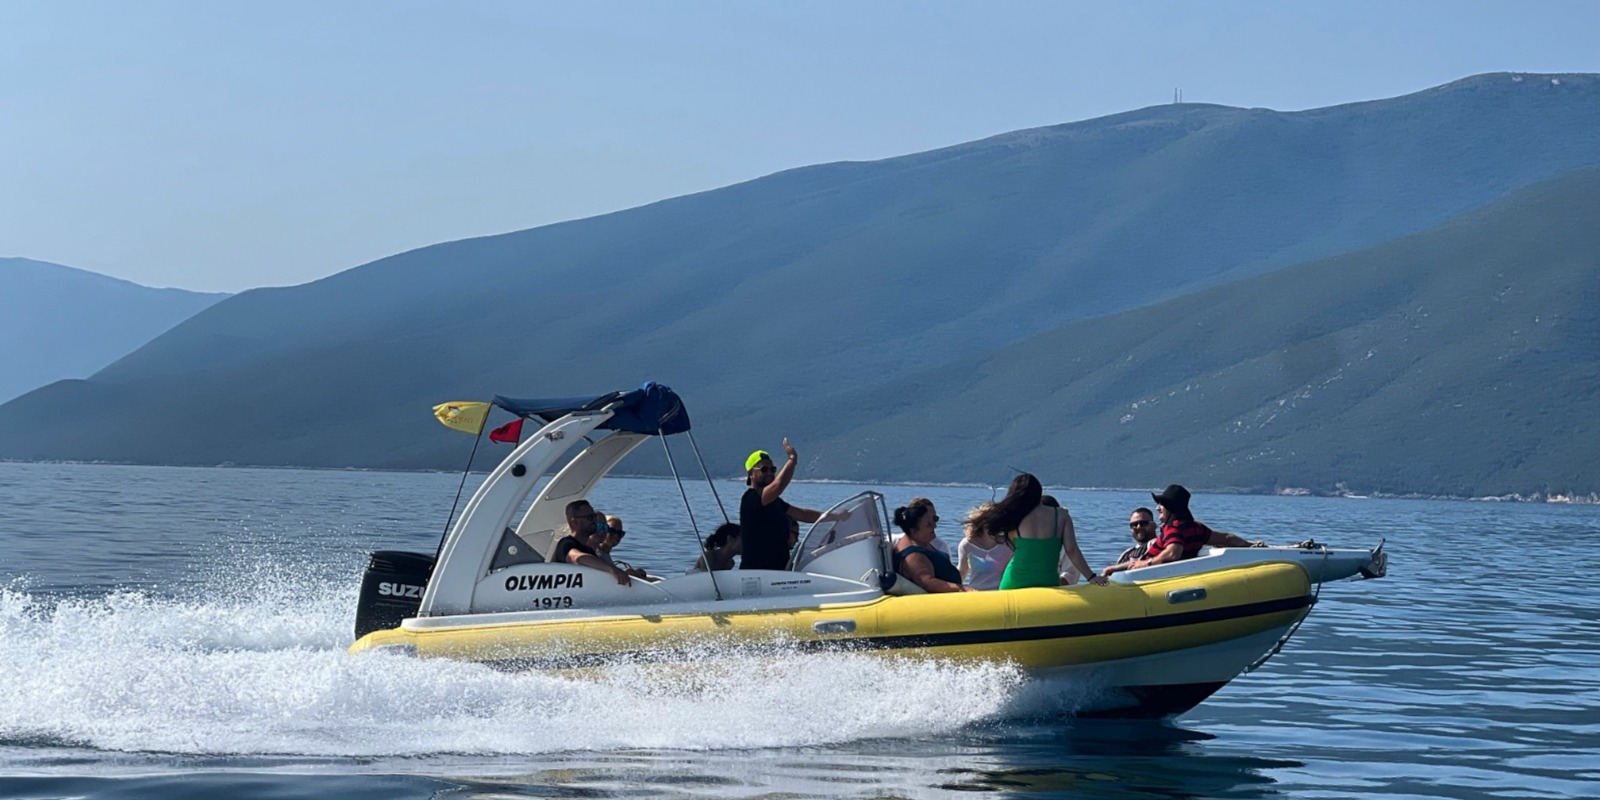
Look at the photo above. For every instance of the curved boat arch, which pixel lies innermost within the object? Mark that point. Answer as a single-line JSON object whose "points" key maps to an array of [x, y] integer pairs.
{"points": [[469, 549], [477, 542]]}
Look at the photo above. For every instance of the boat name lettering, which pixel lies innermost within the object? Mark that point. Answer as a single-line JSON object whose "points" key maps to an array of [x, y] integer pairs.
{"points": [[400, 590], [563, 580]]}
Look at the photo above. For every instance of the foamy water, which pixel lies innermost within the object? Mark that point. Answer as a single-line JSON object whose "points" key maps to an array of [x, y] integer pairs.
{"points": [[264, 671]]}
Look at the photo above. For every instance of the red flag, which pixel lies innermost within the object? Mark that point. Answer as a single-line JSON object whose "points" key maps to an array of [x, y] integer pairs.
{"points": [[511, 432]]}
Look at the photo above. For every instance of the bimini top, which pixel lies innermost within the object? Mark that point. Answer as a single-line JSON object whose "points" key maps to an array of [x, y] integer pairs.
{"points": [[651, 408]]}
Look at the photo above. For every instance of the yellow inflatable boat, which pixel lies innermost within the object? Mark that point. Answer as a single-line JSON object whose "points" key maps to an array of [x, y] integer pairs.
{"points": [[1166, 637]]}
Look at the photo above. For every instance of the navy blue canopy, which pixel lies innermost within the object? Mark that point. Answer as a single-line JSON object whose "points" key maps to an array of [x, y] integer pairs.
{"points": [[651, 408]]}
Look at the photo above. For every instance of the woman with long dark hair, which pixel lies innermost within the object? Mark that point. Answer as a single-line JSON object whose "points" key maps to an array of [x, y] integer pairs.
{"points": [[1039, 533], [914, 556], [722, 546]]}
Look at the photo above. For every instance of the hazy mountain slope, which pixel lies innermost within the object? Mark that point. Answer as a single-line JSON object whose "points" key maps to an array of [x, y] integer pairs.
{"points": [[59, 322], [1462, 360], [810, 282]]}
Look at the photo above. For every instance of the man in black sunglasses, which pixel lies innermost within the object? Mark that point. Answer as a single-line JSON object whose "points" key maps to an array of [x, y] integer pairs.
{"points": [[574, 548], [764, 515], [1142, 527]]}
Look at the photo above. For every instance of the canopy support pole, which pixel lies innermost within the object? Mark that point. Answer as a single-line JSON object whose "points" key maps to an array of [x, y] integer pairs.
{"points": [[707, 473], [687, 508]]}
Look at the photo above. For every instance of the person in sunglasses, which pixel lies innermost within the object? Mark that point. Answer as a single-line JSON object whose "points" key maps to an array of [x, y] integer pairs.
{"points": [[575, 547], [937, 543], [763, 513], [607, 539], [914, 556], [1142, 527], [1180, 536]]}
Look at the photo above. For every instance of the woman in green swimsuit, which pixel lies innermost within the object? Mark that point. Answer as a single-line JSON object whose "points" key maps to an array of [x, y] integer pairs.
{"points": [[1040, 534]]}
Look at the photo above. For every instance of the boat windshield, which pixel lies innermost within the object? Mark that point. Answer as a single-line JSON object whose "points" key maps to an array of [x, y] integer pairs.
{"points": [[858, 518]]}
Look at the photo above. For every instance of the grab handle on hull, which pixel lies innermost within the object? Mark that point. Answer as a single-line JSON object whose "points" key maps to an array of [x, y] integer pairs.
{"points": [[834, 626]]}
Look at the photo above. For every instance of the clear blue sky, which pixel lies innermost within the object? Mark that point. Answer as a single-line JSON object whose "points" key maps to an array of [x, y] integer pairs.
{"points": [[226, 145]]}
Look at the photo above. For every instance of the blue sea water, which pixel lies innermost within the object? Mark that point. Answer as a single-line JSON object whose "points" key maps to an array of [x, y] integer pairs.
{"points": [[174, 633]]}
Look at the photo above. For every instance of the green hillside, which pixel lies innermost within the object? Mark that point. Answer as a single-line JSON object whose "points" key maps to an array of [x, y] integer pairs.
{"points": [[1463, 360], [765, 301]]}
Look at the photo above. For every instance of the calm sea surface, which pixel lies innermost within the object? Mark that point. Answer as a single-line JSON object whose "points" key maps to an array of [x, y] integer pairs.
{"points": [[173, 633]]}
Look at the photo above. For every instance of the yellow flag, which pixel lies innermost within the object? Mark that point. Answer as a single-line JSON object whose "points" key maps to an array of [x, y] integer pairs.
{"points": [[464, 417]]}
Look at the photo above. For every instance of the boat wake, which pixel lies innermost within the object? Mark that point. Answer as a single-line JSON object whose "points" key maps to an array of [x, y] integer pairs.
{"points": [[263, 672]]}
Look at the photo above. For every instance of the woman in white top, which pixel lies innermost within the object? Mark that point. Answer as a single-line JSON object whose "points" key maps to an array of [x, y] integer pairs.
{"points": [[982, 557]]}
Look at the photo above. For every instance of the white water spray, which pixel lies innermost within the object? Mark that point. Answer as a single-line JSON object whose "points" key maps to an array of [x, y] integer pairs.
{"points": [[258, 667]]}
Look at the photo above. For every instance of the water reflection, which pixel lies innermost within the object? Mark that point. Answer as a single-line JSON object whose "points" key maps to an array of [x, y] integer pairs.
{"points": [[1078, 758], [1113, 758]]}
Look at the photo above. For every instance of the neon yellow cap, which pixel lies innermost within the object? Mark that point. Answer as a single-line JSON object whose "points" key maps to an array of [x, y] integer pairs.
{"points": [[755, 458]]}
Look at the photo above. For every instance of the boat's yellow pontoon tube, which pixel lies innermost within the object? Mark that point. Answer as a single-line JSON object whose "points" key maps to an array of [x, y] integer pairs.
{"points": [[1167, 636]]}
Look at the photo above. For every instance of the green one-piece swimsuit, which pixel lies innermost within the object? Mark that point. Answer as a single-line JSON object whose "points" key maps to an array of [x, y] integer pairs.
{"points": [[1035, 563]]}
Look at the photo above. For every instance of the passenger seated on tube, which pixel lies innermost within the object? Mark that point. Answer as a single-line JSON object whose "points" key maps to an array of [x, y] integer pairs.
{"points": [[575, 547], [937, 543], [596, 539], [606, 539], [915, 558], [1065, 569], [723, 546], [1142, 527], [1181, 536]]}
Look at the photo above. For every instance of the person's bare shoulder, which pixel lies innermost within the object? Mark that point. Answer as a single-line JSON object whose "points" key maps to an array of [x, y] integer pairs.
{"points": [[1037, 523]]}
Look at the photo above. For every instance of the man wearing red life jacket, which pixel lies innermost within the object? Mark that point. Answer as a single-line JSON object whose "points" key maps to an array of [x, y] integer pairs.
{"points": [[1181, 536]]}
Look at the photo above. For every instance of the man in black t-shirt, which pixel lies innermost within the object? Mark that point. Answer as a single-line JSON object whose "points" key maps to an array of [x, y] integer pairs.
{"points": [[764, 515], [574, 547]]}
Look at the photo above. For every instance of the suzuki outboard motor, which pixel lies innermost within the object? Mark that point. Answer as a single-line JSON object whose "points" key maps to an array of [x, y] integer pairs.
{"points": [[391, 590]]}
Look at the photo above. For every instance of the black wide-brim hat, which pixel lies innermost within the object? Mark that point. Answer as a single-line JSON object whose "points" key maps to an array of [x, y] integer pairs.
{"points": [[1173, 497]]}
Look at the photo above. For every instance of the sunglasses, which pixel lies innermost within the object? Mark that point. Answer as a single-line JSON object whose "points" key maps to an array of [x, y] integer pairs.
{"points": [[768, 470], [1143, 523], [576, 517]]}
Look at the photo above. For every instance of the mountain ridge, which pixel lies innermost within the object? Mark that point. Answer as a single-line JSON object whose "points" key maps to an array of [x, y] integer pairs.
{"points": [[1320, 351], [815, 282], [58, 321]]}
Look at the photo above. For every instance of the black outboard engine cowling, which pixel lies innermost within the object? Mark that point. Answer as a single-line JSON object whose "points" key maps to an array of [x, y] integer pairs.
{"points": [[391, 590]]}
